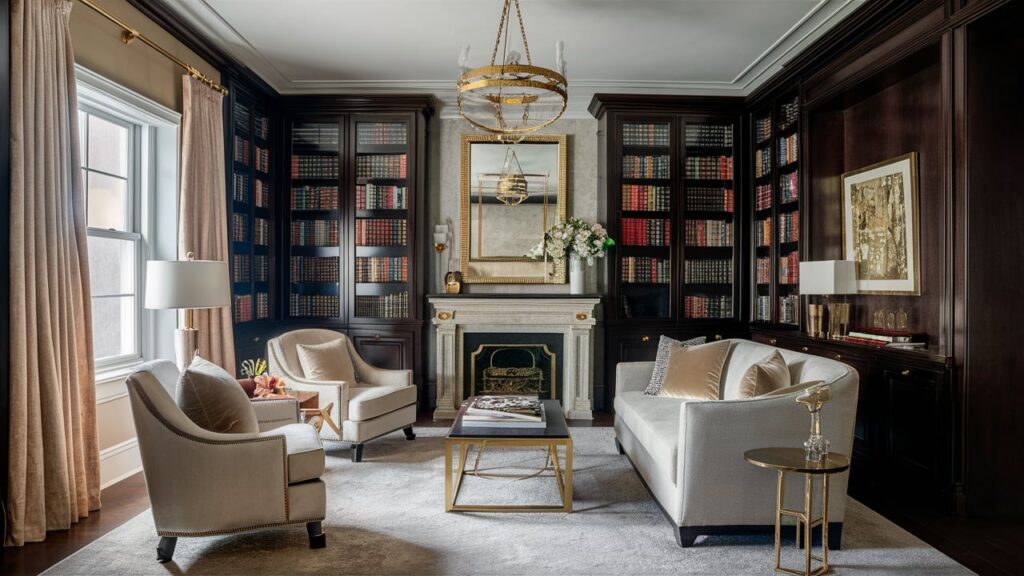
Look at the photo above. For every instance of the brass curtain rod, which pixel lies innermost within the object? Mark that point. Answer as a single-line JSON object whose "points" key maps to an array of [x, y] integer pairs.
{"points": [[130, 34]]}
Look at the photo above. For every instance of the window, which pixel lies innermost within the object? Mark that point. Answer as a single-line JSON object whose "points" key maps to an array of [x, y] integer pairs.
{"points": [[110, 170]]}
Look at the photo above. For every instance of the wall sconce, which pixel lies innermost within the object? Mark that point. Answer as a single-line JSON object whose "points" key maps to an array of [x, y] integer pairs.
{"points": [[441, 241]]}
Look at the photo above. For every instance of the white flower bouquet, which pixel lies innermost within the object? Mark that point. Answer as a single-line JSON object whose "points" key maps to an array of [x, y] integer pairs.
{"points": [[574, 237]]}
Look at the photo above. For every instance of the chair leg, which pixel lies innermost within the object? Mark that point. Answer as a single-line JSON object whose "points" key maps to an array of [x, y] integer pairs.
{"points": [[357, 452], [165, 549], [409, 434], [685, 537], [618, 446], [317, 538]]}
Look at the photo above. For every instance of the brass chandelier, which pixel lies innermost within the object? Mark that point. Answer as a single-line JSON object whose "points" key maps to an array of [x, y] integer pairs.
{"points": [[511, 188], [508, 98]]}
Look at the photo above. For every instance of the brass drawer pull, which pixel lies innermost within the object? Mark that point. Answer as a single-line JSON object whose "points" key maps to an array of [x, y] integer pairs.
{"points": [[905, 373], [718, 336], [376, 336], [839, 356], [804, 349], [645, 339], [773, 341]]}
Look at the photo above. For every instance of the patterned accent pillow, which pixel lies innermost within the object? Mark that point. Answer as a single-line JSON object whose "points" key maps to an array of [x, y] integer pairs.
{"points": [[665, 345]]}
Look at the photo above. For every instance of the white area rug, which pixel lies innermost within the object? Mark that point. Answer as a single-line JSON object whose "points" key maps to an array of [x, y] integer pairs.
{"points": [[386, 516]]}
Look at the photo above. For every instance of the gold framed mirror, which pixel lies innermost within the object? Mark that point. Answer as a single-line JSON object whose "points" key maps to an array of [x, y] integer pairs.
{"points": [[510, 195]]}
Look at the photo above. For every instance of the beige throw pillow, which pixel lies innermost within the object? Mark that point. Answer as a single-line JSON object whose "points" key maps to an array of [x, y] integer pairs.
{"points": [[214, 400], [766, 376], [327, 362], [695, 372]]}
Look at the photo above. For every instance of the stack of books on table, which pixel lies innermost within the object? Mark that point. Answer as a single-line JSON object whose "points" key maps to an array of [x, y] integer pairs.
{"points": [[884, 338], [504, 412]]}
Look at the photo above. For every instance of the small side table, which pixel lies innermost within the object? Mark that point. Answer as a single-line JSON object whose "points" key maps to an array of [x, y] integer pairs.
{"points": [[794, 460]]}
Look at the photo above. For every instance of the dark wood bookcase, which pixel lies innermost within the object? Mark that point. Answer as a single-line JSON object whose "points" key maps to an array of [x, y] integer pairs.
{"points": [[671, 171]]}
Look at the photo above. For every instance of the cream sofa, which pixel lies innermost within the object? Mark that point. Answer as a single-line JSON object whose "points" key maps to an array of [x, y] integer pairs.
{"points": [[690, 453]]}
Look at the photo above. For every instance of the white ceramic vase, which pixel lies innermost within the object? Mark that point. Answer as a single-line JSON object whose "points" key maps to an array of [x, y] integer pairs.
{"points": [[575, 274]]}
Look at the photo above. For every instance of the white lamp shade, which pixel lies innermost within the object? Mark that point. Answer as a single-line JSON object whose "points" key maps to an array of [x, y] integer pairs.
{"points": [[828, 277], [187, 284]]}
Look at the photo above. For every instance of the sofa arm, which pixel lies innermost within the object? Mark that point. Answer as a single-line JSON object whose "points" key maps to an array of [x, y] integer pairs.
{"points": [[632, 376], [274, 413]]}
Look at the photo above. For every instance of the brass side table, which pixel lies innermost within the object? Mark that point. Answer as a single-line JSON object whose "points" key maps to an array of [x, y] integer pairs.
{"points": [[785, 460]]}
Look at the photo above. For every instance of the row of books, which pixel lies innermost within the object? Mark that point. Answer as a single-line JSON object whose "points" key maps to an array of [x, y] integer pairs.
{"points": [[388, 306], [261, 231], [246, 305], [788, 149], [646, 270], [261, 127], [239, 228], [789, 309], [884, 338], [707, 306], [708, 135], [762, 161], [762, 129], [374, 197], [710, 199], [789, 227], [764, 270], [382, 269], [381, 166], [314, 233], [789, 268], [241, 269], [262, 160], [323, 269], [643, 197], [314, 197], [313, 305], [763, 308], [646, 134], [645, 166], [762, 196], [315, 136], [240, 187], [763, 232], [709, 167], [241, 117], [789, 191], [261, 268], [262, 191], [646, 232], [381, 133], [789, 113], [325, 167], [708, 272], [241, 150], [381, 232], [708, 233]]}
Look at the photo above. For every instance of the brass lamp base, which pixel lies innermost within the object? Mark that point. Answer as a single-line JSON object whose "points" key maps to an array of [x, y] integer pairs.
{"points": [[815, 320]]}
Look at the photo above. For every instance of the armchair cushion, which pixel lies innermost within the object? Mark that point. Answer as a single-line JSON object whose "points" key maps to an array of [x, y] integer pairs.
{"points": [[329, 361], [212, 399], [373, 401], [305, 452]]}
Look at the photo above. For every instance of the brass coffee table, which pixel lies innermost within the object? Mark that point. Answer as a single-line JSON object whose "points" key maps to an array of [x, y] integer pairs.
{"points": [[795, 460], [554, 437]]}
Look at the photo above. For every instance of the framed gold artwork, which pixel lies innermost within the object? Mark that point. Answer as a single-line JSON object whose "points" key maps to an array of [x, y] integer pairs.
{"points": [[880, 226]]}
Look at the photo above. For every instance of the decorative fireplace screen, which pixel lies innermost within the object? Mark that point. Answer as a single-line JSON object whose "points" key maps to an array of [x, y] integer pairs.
{"points": [[498, 366]]}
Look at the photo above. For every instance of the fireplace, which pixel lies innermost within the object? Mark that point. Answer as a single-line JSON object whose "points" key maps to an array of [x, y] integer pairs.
{"points": [[512, 363]]}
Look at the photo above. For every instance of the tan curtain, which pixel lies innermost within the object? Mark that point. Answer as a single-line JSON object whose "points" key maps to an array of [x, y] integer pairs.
{"points": [[202, 208], [54, 457]]}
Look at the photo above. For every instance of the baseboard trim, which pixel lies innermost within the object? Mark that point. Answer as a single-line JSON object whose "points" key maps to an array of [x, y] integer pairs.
{"points": [[119, 462]]}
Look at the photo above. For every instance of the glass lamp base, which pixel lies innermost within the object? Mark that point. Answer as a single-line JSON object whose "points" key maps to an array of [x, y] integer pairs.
{"points": [[816, 447]]}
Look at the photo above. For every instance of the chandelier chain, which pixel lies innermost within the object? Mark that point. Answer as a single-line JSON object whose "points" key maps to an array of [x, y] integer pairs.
{"points": [[502, 23], [497, 38], [522, 31]]}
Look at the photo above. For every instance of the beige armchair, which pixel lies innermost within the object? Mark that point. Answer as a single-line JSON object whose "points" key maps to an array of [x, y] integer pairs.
{"points": [[378, 403], [204, 483]]}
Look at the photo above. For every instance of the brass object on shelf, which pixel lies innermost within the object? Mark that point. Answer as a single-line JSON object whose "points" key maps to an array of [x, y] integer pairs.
{"points": [[838, 319], [815, 320], [645, 339]]}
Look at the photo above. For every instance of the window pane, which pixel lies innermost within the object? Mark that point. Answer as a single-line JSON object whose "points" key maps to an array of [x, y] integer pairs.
{"points": [[113, 327], [111, 266], [108, 146], [108, 202]]}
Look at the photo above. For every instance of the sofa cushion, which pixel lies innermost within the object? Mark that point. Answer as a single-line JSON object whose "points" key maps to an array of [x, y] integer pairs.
{"points": [[694, 372], [327, 362], [655, 423], [305, 452], [665, 346], [770, 374], [212, 399], [373, 401]]}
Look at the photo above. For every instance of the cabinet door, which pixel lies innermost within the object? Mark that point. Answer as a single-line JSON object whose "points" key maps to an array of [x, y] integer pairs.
{"points": [[915, 434], [385, 348]]}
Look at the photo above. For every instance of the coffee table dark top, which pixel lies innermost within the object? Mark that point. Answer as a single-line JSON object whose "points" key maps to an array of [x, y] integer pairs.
{"points": [[556, 426]]}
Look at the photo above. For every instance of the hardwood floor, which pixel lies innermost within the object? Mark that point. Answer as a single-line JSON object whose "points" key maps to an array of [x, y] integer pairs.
{"points": [[987, 547]]}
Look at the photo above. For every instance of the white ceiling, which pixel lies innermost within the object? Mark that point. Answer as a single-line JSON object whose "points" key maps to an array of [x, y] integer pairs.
{"points": [[719, 47]]}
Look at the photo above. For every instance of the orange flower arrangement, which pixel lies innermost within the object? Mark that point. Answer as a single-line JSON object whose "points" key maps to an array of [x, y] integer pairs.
{"points": [[268, 385]]}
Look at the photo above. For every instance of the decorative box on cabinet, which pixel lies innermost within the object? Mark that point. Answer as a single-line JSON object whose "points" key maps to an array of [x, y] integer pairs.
{"points": [[907, 432]]}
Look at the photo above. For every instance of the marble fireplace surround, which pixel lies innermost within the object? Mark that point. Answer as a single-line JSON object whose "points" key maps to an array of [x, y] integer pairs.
{"points": [[570, 316]]}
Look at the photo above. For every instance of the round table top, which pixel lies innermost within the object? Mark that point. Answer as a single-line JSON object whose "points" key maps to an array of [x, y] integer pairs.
{"points": [[795, 460]]}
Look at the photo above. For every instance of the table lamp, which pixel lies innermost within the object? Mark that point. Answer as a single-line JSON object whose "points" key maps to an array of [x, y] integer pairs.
{"points": [[828, 278], [187, 285]]}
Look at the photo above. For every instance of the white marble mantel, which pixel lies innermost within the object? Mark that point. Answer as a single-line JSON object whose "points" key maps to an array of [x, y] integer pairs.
{"points": [[571, 316]]}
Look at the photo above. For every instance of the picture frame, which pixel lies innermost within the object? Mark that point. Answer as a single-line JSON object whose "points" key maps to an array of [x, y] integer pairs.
{"points": [[881, 231]]}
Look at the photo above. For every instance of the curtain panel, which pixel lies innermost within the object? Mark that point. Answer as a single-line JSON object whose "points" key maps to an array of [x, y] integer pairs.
{"points": [[53, 476], [202, 208]]}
